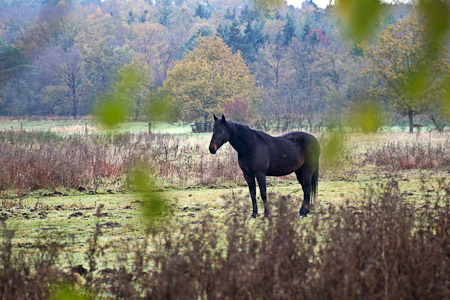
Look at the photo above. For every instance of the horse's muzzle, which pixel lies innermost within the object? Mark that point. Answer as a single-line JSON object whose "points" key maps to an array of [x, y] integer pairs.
{"points": [[213, 148]]}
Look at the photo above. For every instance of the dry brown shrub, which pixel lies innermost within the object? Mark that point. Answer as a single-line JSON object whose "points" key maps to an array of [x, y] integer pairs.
{"points": [[405, 156], [45, 160]]}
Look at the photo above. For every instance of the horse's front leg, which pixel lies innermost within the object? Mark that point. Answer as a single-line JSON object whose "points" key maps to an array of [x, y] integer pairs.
{"points": [[252, 187], [262, 188]]}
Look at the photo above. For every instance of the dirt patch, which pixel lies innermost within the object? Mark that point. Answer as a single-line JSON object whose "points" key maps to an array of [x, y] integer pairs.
{"points": [[76, 214], [110, 225]]}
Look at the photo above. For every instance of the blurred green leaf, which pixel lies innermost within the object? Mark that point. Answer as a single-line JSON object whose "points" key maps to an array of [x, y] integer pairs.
{"points": [[359, 16], [437, 15], [446, 100], [66, 292], [111, 112], [114, 107], [153, 204], [416, 83], [332, 147], [368, 116], [159, 108]]}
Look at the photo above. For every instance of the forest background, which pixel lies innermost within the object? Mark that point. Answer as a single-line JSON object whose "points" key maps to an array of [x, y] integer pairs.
{"points": [[273, 66]]}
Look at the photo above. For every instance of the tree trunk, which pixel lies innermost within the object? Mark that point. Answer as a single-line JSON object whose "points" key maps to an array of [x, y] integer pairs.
{"points": [[75, 104], [438, 125], [410, 118]]}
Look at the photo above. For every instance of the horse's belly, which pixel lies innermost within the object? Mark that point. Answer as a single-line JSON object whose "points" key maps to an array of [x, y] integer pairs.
{"points": [[278, 173], [281, 167]]}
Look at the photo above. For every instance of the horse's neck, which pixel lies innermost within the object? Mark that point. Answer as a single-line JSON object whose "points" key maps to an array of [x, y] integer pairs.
{"points": [[239, 142]]}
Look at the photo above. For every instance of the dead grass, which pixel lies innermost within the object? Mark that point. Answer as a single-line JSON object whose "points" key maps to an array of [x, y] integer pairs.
{"points": [[44, 160], [72, 129]]}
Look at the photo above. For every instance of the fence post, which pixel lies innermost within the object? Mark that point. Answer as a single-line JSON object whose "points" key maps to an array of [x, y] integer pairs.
{"points": [[149, 127], [85, 129], [21, 127]]}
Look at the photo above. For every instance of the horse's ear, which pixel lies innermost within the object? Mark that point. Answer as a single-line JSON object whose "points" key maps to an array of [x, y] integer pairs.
{"points": [[223, 119], [215, 118]]}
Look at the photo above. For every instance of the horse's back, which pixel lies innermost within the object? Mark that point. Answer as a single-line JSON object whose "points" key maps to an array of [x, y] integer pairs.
{"points": [[308, 144], [303, 139]]}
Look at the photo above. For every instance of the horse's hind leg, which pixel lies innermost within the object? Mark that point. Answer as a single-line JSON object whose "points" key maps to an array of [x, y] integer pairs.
{"points": [[304, 177], [262, 188], [252, 187]]}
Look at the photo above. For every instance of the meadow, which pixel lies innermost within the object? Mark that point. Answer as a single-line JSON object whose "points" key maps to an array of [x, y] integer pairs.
{"points": [[70, 215]]}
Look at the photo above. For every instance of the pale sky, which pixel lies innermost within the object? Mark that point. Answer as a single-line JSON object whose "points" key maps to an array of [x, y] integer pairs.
{"points": [[319, 3]]}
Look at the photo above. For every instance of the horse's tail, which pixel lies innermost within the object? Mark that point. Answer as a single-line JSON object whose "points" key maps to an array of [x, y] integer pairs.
{"points": [[315, 182], [315, 176]]}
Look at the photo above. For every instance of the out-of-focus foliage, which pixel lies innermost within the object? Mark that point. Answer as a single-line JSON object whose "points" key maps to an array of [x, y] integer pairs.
{"points": [[153, 205], [332, 147], [436, 14], [67, 292], [207, 78], [368, 116], [360, 16], [159, 108], [116, 106]]}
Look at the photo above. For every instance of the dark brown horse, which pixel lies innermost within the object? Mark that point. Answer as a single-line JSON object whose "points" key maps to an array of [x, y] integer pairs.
{"points": [[261, 155]]}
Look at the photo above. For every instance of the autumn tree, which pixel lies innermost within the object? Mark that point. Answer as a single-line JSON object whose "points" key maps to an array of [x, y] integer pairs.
{"points": [[148, 41], [237, 110], [207, 78], [56, 27], [341, 85], [100, 62], [303, 57], [401, 71]]}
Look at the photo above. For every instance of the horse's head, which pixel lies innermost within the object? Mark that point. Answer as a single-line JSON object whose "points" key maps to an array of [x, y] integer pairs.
{"points": [[220, 134]]}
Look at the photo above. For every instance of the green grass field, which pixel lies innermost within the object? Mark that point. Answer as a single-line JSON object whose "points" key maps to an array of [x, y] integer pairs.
{"points": [[72, 215]]}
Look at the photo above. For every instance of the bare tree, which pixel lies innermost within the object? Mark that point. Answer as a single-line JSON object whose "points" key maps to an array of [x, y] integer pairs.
{"points": [[64, 69]]}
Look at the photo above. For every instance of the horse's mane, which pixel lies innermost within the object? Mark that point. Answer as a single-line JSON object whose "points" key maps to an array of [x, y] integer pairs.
{"points": [[243, 133]]}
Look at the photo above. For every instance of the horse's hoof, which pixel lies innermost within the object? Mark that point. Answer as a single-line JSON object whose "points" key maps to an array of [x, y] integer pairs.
{"points": [[253, 217], [266, 216], [303, 212]]}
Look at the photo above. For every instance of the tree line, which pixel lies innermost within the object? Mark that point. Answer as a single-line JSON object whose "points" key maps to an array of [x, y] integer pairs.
{"points": [[272, 66]]}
